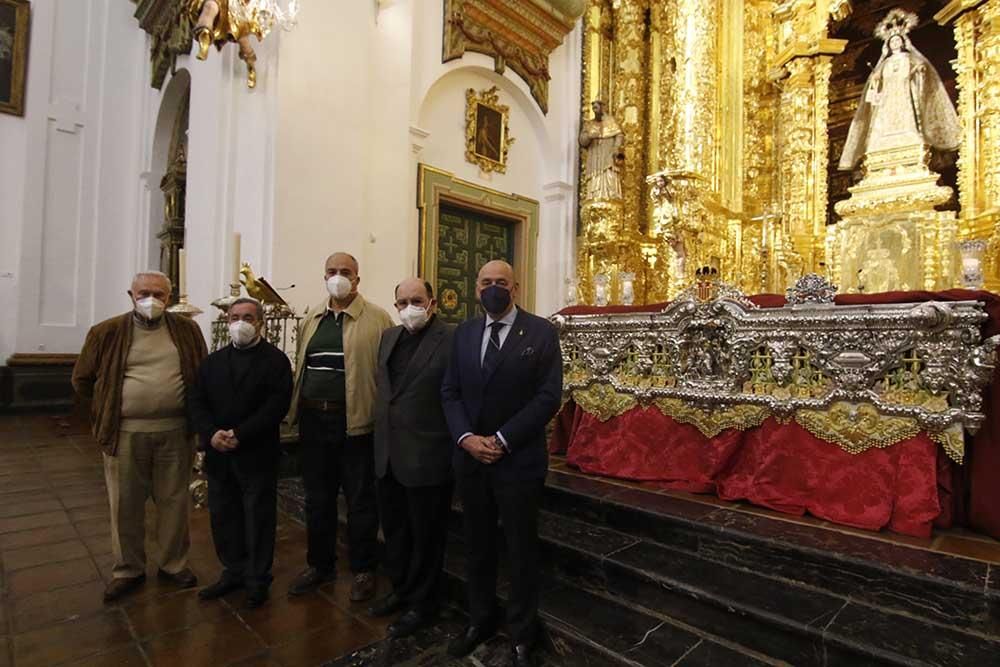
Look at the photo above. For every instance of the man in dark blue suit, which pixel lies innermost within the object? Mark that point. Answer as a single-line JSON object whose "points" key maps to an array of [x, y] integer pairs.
{"points": [[503, 385]]}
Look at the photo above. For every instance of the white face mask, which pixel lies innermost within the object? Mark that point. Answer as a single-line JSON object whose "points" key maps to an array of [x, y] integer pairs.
{"points": [[151, 308], [414, 318], [338, 286], [242, 333]]}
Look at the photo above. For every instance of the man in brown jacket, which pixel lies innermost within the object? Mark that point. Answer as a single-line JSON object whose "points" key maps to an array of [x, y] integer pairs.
{"points": [[137, 369]]}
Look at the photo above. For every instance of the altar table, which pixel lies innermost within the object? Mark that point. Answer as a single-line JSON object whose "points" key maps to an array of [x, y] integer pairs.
{"points": [[907, 487]]}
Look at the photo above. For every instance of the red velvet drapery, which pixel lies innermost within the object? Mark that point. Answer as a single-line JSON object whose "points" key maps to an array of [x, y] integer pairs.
{"points": [[906, 488]]}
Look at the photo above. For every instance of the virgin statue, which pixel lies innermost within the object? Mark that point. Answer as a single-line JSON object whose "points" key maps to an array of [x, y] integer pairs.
{"points": [[904, 102], [603, 139]]}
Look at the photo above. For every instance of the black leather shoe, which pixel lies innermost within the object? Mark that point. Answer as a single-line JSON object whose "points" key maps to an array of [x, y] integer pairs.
{"points": [[471, 637], [309, 580], [390, 604], [220, 589], [256, 598], [407, 624], [119, 588], [520, 656], [185, 578]]}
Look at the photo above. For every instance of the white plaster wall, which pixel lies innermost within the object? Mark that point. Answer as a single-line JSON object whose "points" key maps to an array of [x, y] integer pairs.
{"points": [[321, 156]]}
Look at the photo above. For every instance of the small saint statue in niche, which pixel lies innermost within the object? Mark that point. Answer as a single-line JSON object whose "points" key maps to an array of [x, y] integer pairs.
{"points": [[221, 21], [603, 139], [904, 103]]}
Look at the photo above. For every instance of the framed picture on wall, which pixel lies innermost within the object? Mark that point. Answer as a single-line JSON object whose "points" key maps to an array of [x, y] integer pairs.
{"points": [[487, 131], [14, 26]]}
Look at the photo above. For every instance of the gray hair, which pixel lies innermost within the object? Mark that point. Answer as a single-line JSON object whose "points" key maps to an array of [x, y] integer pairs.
{"points": [[154, 274], [255, 302]]}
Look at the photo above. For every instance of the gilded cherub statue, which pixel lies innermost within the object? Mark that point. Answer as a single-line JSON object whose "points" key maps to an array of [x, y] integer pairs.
{"points": [[222, 21], [904, 102]]}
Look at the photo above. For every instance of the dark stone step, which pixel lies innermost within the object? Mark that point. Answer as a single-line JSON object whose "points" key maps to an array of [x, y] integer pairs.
{"points": [[915, 581], [587, 629], [582, 629]]}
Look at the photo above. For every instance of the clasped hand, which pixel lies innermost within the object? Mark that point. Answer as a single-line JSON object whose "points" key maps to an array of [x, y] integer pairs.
{"points": [[484, 449], [225, 441]]}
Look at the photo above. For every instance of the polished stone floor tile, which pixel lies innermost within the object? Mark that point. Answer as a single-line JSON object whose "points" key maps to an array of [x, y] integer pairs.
{"points": [[36, 536], [19, 559], [14, 509], [72, 640], [52, 576], [50, 607], [129, 655], [323, 644], [209, 644], [19, 523], [171, 612], [282, 617]]}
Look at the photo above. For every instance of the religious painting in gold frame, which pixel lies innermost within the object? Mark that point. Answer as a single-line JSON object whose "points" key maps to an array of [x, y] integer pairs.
{"points": [[14, 26], [487, 131]]}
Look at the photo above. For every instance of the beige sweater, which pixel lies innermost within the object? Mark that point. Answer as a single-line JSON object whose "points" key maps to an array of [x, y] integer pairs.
{"points": [[153, 389]]}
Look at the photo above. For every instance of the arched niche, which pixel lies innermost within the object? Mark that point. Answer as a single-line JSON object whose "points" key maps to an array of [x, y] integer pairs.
{"points": [[168, 177]]}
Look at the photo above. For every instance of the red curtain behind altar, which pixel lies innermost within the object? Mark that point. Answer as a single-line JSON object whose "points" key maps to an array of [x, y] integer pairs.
{"points": [[906, 488]]}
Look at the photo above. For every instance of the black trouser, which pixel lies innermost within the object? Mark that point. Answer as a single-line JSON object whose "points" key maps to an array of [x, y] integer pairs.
{"points": [[242, 505], [415, 527], [331, 460], [516, 503]]}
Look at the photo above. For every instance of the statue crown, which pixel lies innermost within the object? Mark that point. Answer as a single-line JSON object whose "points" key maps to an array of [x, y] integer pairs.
{"points": [[897, 23]]}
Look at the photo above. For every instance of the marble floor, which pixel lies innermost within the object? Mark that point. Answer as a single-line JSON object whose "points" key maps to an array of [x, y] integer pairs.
{"points": [[55, 553]]}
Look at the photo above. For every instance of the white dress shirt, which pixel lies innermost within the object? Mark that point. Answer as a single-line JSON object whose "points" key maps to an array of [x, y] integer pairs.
{"points": [[508, 321]]}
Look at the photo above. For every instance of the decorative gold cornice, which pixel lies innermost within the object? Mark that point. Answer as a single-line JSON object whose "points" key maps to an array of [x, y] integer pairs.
{"points": [[520, 34], [954, 9]]}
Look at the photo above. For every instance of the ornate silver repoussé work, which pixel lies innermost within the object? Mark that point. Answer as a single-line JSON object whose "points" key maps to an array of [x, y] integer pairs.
{"points": [[713, 355]]}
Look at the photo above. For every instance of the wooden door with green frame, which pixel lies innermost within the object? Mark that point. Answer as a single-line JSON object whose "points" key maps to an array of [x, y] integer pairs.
{"points": [[467, 239]]}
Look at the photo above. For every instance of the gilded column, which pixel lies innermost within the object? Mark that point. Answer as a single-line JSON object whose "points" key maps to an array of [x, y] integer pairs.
{"points": [[988, 101], [804, 58], [629, 105], [969, 192], [691, 54], [977, 41]]}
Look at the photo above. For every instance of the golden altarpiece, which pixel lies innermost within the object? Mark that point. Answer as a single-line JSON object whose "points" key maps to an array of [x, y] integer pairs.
{"points": [[733, 116]]}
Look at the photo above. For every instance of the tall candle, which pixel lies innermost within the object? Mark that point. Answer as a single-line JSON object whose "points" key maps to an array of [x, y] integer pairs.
{"points": [[236, 258], [182, 271]]}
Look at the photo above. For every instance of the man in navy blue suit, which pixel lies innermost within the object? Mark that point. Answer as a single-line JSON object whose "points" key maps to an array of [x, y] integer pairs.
{"points": [[502, 386]]}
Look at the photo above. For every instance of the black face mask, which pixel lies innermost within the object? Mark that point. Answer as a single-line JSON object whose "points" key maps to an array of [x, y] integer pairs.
{"points": [[495, 299]]}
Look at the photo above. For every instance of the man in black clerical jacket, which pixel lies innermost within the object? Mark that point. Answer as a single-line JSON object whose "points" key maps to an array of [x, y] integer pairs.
{"points": [[413, 451], [503, 385], [242, 395]]}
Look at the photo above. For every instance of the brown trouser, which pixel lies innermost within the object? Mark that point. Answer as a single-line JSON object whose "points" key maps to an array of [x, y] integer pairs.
{"points": [[157, 466]]}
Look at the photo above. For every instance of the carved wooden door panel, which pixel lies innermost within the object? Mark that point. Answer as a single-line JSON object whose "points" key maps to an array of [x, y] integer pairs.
{"points": [[466, 240]]}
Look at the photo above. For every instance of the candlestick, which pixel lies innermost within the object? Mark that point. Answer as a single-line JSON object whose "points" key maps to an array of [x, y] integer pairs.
{"points": [[182, 271], [236, 257]]}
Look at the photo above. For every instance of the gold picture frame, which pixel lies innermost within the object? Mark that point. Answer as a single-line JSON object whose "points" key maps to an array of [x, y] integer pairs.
{"points": [[14, 26], [487, 130]]}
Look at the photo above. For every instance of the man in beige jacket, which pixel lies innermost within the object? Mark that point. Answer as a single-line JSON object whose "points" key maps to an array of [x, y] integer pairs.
{"points": [[333, 402], [137, 370]]}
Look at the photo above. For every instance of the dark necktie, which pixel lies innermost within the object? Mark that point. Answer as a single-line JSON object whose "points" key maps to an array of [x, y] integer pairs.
{"points": [[492, 349]]}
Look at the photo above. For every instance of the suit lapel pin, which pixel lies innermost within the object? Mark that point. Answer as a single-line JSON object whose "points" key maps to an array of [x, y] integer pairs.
{"points": [[520, 332]]}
